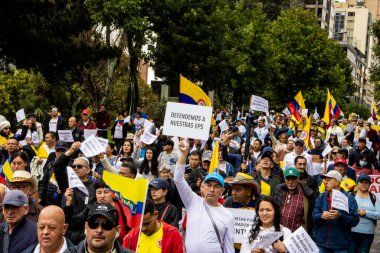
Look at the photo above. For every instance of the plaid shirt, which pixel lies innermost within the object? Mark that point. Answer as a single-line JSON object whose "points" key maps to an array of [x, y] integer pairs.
{"points": [[292, 209]]}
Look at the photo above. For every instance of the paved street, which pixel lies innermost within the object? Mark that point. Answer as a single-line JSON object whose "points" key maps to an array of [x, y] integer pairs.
{"points": [[376, 242]]}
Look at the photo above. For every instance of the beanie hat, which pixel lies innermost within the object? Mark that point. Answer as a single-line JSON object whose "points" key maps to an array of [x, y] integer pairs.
{"points": [[4, 122]]}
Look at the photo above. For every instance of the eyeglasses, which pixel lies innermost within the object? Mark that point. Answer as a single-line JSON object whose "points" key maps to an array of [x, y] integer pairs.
{"points": [[19, 187], [106, 225], [75, 166], [84, 114]]}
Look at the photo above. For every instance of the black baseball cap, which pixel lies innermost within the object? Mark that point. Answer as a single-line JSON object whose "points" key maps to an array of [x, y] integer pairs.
{"points": [[106, 210]]}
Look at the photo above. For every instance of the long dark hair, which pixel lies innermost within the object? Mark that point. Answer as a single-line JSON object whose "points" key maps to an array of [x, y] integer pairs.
{"points": [[257, 223], [121, 153], [145, 164]]}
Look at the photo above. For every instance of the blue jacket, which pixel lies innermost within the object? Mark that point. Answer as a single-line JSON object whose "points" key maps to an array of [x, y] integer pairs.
{"points": [[334, 234]]}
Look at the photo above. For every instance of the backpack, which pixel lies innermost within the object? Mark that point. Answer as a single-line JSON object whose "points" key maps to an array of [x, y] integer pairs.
{"points": [[373, 200]]}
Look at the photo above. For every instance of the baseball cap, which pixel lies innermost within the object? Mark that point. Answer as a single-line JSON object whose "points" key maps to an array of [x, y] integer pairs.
{"points": [[340, 160], [333, 174], [159, 183], [291, 172], [207, 155], [15, 198], [363, 177], [130, 136], [215, 177], [106, 210], [266, 154], [61, 145], [300, 141], [86, 111]]}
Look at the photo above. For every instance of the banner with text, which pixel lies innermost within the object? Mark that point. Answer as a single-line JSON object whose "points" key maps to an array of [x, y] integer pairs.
{"points": [[185, 120], [259, 104], [300, 242], [243, 221]]}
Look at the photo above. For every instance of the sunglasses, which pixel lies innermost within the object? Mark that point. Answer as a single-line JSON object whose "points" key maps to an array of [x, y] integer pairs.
{"points": [[106, 225], [75, 166], [299, 144], [84, 114]]}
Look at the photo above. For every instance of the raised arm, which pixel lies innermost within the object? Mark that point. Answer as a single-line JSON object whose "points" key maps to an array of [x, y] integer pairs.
{"points": [[185, 192]]}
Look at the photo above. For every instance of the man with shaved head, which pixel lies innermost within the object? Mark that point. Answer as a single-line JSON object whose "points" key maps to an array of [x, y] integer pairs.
{"points": [[51, 228], [76, 132]]}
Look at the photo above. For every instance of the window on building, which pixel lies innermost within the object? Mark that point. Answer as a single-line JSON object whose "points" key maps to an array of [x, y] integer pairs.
{"points": [[351, 14]]}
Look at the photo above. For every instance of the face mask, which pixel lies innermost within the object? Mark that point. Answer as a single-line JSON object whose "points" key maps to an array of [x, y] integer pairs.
{"points": [[362, 163]]}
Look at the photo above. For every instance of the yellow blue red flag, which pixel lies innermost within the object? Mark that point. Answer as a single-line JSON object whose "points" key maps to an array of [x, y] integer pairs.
{"points": [[6, 173], [332, 110], [374, 110], [190, 93], [214, 165], [296, 105], [131, 194]]}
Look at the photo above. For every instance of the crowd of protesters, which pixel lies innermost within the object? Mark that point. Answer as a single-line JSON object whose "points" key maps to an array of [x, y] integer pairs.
{"points": [[265, 164]]}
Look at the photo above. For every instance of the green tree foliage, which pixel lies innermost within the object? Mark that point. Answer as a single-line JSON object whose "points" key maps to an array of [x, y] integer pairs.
{"points": [[300, 56], [375, 70]]}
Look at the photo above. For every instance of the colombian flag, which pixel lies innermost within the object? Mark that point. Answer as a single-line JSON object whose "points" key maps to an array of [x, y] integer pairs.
{"points": [[374, 110], [131, 193], [6, 173], [331, 110], [214, 165], [296, 105], [190, 93]]}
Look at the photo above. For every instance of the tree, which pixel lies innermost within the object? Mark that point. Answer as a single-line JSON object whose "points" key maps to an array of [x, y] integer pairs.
{"points": [[301, 57], [375, 70]]}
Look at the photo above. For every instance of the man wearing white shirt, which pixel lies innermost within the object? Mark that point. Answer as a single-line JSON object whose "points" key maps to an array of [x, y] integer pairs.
{"points": [[335, 128], [260, 131], [210, 226], [51, 228], [298, 151]]}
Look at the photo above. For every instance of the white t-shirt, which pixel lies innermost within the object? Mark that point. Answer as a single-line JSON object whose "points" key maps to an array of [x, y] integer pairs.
{"points": [[200, 233], [289, 162], [63, 248], [242, 129], [118, 131]]}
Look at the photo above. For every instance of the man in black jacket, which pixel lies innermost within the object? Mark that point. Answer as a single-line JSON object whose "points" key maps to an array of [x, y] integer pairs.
{"points": [[296, 201], [101, 230]]}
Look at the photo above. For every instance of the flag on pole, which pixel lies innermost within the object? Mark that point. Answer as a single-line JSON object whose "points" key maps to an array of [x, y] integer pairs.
{"points": [[214, 160], [305, 136], [131, 193], [374, 110], [190, 93], [6, 173], [296, 105], [332, 110]]}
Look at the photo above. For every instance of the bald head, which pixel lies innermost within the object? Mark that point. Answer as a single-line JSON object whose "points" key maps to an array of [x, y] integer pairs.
{"points": [[72, 122], [51, 228]]}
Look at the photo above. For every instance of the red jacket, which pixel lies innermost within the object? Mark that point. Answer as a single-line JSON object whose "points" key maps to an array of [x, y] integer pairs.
{"points": [[171, 239], [90, 125]]}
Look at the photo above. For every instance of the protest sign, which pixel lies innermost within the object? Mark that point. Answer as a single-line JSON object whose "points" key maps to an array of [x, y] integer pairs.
{"points": [[304, 111], [259, 104], [148, 138], [266, 240], [65, 135], [91, 147], [300, 242], [74, 181], [148, 126], [89, 132], [327, 150], [243, 221], [186, 120], [375, 184], [20, 115], [223, 126], [103, 142], [286, 111], [339, 200]]}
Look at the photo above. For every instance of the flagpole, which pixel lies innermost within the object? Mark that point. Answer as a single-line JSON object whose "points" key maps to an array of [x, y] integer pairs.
{"points": [[142, 216]]}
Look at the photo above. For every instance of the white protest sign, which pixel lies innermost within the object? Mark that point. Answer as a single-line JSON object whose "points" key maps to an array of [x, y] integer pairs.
{"points": [[20, 115], [305, 111], [243, 221], [148, 138], [339, 200], [349, 128], [91, 147], [223, 126], [266, 240], [375, 185], [74, 181], [65, 135], [327, 150], [103, 142], [286, 111], [185, 120], [259, 104], [300, 242], [89, 132], [148, 126]]}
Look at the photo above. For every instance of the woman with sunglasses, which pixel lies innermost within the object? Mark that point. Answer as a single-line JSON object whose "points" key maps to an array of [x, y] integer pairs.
{"points": [[369, 213], [6, 133], [267, 220]]}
